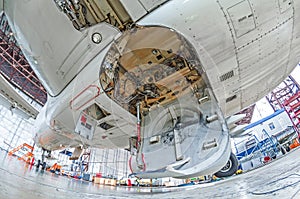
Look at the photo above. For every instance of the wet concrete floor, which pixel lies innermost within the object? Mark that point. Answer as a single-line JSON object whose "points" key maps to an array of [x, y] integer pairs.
{"points": [[279, 179]]}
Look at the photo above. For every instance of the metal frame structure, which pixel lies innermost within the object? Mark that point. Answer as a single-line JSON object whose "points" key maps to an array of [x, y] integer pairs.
{"points": [[292, 107], [14, 66], [85, 159], [286, 96], [263, 147], [111, 163]]}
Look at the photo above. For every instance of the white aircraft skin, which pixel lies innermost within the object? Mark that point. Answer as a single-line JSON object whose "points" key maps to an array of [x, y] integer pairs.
{"points": [[233, 51], [12, 100]]}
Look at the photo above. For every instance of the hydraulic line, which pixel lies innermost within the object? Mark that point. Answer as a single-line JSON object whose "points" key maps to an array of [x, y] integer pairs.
{"points": [[139, 156], [138, 124]]}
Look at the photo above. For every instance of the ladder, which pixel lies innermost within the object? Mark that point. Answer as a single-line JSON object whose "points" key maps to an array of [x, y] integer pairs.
{"points": [[26, 152]]}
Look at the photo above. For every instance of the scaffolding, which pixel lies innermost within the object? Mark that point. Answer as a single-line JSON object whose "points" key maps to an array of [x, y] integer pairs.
{"points": [[286, 96], [292, 107], [24, 152], [111, 163], [85, 159], [252, 148], [14, 66]]}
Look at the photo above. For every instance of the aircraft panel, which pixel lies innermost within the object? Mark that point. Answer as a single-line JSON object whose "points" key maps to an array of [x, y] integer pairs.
{"points": [[247, 55], [295, 50], [150, 4], [100, 140], [115, 109], [113, 138], [266, 80], [134, 8], [265, 21], [265, 14], [242, 18], [232, 102], [119, 142], [284, 5], [285, 31]]}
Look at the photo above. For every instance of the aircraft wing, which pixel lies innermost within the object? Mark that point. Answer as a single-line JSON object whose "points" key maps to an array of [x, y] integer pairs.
{"points": [[12, 100]]}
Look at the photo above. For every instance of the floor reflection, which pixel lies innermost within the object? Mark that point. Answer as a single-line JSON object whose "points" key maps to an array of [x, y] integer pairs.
{"points": [[279, 179]]}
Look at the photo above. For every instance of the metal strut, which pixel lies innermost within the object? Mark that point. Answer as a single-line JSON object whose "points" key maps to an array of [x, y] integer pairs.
{"points": [[139, 156], [178, 151]]}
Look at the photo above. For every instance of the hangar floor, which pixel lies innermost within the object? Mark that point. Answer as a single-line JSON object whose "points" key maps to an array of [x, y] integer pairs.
{"points": [[279, 179]]}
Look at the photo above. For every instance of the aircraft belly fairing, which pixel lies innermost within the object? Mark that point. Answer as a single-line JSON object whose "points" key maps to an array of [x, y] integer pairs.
{"points": [[105, 125]]}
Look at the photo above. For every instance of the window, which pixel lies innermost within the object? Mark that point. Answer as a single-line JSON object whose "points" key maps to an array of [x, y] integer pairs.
{"points": [[271, 126]]}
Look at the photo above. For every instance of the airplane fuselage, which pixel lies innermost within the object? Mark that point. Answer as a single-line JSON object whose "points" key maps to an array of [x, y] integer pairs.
{"points": [[182, 66]]}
